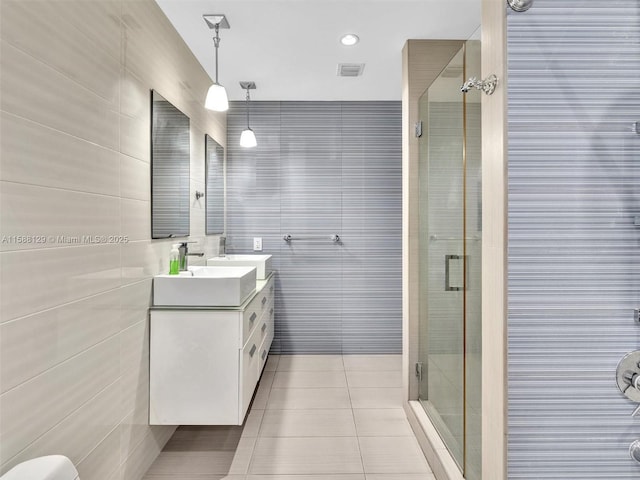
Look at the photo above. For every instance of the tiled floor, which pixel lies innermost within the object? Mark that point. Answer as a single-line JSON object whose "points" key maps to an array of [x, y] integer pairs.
{"points": [[313, 417]]}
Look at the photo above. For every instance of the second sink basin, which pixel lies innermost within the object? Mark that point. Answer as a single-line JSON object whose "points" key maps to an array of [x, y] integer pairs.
{"points": [[227, 286], [261, 262]]}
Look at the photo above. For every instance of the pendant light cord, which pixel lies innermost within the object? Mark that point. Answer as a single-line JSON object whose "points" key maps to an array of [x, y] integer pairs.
{"points": [[248, 108], [216, 43]]}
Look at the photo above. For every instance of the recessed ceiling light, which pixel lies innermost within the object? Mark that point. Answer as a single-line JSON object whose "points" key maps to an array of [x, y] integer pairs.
{"points": [[349, 39]]}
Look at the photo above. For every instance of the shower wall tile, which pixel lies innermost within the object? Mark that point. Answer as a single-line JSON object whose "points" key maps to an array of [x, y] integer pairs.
{"points": [[323, 168], [574, 247], [74, 159]]}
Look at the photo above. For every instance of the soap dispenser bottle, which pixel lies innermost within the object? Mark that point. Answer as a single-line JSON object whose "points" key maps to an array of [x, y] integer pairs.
{"points": [[174, 260]]}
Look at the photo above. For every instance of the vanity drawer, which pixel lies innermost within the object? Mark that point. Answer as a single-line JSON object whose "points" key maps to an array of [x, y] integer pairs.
{"points": [[267, 330], [250, 370], [266, 321], [270, 288], [256, 309], [250, 318], [264, 350], [264, 297]]}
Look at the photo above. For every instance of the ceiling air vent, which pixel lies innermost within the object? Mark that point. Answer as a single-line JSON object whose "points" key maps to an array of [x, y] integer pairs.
{"points": [[350, 69]]}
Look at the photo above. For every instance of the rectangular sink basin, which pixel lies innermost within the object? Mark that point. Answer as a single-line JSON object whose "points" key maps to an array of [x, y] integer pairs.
{"points": [[261, 262], [226, 286]]}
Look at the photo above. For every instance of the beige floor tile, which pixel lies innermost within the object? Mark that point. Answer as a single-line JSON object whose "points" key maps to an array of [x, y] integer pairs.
{"points": [[204, 439], [266, 380], [260, 399], [400, 476], [308, 423], [272, 363], [374, 379], [308, 398], [392, 455], [320, 455], [377, 363], [306, 477], [180, 464], [252, 423], [291, 363], [376, 397], [262, 393], [301, 379], [212, 476], [382, 422], [242, 457]]}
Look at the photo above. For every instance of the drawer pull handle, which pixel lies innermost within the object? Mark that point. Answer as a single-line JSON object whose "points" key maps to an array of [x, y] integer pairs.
{"points": [[264, 354], [264, 300], [264, 327], [253, 350], [271, 288], [253, 317]]}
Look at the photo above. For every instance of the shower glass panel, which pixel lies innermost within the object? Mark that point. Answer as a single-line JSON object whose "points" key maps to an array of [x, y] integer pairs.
{"points": [[450, 259]]}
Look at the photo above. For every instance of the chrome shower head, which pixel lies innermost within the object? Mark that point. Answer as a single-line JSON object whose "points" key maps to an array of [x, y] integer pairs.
{"points": [[520, 5]]}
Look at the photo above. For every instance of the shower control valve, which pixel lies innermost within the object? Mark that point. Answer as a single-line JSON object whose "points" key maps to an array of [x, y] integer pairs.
{"points": [[628, 376]]}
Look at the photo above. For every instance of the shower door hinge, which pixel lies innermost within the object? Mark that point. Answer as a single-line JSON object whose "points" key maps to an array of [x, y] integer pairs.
{"points": [[419, 370], [419, 129]]}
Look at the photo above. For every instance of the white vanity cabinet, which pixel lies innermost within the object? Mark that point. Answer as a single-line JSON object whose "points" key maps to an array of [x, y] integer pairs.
{"points": [[205, 362]]}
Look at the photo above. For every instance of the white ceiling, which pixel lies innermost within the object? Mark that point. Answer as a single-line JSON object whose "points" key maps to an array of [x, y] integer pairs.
{"points": [[291, 48]]}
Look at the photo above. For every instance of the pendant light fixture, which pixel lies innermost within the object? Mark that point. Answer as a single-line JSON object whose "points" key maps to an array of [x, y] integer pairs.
{"points": [[247, 137], [217, 95]]}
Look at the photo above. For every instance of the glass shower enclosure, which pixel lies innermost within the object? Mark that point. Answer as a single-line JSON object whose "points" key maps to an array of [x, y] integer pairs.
{"points": [[449, 367]]}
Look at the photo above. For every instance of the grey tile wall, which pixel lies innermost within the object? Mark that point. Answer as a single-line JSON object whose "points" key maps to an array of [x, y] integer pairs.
{"points": [[323, 168], [574, 251]]}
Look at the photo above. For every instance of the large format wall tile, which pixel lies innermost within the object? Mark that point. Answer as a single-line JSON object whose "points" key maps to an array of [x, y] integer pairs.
{"points": [[33, 344], [55, 41], [31, 281], [86, 427], [32, 408], [323, 168], [57, 217], [33, 154], [574, 240], [75, 160], [33, 90]]}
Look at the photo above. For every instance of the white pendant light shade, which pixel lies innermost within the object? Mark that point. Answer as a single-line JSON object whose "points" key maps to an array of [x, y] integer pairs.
{"points": [[217, 98], [248, 139]]}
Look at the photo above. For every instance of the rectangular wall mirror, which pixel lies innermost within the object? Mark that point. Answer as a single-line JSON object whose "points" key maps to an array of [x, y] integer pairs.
{"points": [[215, 186], [170, 165]]}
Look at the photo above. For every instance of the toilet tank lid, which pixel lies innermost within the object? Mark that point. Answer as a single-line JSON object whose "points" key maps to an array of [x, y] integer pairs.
{"points": [[51, 467]]}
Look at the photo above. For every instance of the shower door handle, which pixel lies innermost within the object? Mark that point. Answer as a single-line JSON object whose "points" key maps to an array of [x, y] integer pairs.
{"points": [[447, 272]]}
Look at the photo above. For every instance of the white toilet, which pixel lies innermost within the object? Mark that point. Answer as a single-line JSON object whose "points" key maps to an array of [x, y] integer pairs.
{"points": [[52, 467]]}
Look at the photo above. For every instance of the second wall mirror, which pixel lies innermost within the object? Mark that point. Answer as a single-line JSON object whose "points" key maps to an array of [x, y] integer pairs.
{"points": [[170, 169]]}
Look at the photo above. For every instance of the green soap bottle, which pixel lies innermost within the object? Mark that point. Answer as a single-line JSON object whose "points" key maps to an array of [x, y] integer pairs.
{"points": [[174, 260]]}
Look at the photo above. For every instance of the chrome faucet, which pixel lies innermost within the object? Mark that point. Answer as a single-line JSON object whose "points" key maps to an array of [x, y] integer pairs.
{"points": [[184, 253], [222, 247]]}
